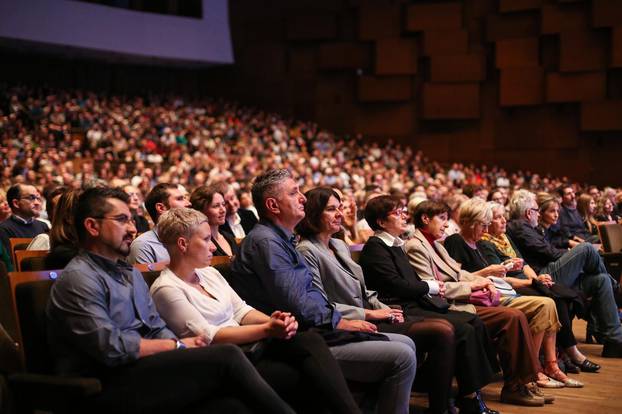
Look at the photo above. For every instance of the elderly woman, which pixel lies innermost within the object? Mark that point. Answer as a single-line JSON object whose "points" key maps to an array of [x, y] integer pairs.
{"points": [[136, 199], [211, 202], [195, 299], [507, 326], [497, 248], [341, 279], [475, 217]]}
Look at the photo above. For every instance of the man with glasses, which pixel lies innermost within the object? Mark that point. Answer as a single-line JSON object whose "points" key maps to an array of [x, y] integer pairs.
{"points": [[103, 323], [147, 248], [26, 203], [580, 267]]}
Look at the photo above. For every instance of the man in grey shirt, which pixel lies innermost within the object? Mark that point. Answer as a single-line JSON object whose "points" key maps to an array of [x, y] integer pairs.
{"points": [[147, 248], [103, 323]]}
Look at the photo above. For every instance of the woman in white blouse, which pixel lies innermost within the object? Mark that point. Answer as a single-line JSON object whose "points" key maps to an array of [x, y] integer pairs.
{"points": [[195, 299]]}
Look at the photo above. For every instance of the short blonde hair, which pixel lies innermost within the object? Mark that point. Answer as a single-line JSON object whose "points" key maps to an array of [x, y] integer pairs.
{"points": [[474, 210], [179, 222]]}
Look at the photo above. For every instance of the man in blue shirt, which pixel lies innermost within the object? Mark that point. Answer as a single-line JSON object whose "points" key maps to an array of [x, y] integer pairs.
{"points": [[270, 274], [103, 323], [569, 218]]}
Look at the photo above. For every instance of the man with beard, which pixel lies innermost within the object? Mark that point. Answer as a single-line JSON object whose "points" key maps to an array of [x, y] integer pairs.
{"points": [[103, 323]]}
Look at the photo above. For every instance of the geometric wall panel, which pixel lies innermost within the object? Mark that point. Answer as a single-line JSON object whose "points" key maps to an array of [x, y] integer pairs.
{"points": [[583, 50], [396, 56], [557, 19], [601, 116], [379, 21], [521, 86], [606, 13], [509, 26], [450, 101], [390, 88], [518, 5], [616, 47], [445, 42], [343, 55], [434, 16], [516, 53], [458, 68], [577, 87], [312, 27]]}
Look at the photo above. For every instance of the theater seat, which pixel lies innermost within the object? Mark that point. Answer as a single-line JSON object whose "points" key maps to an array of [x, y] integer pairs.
{"points": [[36, 387], [611, 237]]}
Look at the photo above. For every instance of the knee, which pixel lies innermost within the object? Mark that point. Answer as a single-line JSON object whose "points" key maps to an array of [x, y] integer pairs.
{"points": [[405, 356], [445, 330]]}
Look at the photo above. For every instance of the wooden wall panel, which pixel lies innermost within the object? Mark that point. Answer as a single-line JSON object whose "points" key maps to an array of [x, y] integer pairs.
{"points": [[302, 62], [450, 101], [518, 5], [521, 86], [379, 21], [579, 87], [391, 88], [601, 116], [583, 51], [616, 47], [606, 13], [396, 56], [513, 25], [434, 16], [311, 27], [385, 119], [445, 42], [344, 55], [458, 68], [561, 18], [517, 53]]}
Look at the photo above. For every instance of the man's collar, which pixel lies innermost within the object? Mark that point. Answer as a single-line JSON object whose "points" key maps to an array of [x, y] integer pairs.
{"points": [[389, 239], [234, 219], [21, 219], [107, 264], [284, 233]]}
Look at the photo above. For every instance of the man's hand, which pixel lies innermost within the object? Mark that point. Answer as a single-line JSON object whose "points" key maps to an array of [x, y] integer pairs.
{"points": [[393, 315], [194, 342], [357, 325]]}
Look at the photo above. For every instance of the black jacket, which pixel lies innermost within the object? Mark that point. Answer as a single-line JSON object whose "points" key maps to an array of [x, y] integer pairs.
{"points": [[247, 220], [535, 248]]}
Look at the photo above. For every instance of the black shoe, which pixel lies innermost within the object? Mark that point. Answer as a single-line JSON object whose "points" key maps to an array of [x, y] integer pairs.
{"points": [[612, 350], [589, 366], [474, 406], [571, 367]]}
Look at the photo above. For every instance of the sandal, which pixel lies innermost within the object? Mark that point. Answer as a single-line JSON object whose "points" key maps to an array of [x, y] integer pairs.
{"points": [[587, 366], [552, 370], [545, 381]]}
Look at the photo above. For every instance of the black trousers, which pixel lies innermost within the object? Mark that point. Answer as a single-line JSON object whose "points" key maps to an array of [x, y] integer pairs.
{"points": [[457, 344], [304, 372], [214, 379]]}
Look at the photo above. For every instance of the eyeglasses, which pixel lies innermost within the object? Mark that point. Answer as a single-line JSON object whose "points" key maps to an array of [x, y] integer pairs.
{"points": [[121, 219], [399, 211], [31, 198], [535, 210]]}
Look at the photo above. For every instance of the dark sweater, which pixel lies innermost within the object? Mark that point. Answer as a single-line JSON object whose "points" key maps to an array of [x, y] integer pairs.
{"points": [[471, 259], [14, 227]]}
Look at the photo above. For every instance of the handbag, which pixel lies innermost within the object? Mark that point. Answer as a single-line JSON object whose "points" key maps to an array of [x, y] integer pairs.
{"points": [[484, 297], [503, 286], [434, 303]]}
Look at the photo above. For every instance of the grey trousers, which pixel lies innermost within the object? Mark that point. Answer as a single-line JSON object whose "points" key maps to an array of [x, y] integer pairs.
{"points": [[393, 364]]}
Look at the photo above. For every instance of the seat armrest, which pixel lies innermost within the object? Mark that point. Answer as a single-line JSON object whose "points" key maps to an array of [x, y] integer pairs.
{"points": [[40, 385]]}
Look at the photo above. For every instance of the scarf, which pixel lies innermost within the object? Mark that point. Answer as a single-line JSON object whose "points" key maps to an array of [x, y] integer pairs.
{"points": [[501, 243]]}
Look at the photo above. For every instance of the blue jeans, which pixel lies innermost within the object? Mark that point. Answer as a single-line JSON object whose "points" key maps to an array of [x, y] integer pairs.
{"points": [[582, 267], [393, 364]]}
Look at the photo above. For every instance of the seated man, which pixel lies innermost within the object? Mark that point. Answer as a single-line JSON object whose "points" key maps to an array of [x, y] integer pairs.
{"points": [[25, 203], [579, 267], [570, 220], [239, 221], [147, 248], [270, 274], [103, 323]]}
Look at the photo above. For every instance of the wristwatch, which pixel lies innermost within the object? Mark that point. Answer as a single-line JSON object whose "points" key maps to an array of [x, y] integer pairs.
{"points": [[179, 344]]}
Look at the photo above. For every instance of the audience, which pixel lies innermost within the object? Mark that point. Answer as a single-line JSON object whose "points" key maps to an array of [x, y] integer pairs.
{"points": [[195, 299], [580, 267], [270, 274], [147, 248], [238, 222], [209, 201], [118, 336]]}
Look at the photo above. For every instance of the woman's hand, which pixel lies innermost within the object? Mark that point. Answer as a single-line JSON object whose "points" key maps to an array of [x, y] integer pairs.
{"points": [[480, 284], [194, 341], [281, 325], [495, 270], [357, 325], [393, 315], [441, 288], [546, 280]]}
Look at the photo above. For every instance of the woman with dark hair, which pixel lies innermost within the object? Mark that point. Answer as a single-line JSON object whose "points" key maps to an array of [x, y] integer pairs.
{"points": [[210, 201], [586, 206], [441, 336]]}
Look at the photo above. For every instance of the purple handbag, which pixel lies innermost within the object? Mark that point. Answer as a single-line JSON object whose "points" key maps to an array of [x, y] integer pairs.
{"points": [[484, 298]]}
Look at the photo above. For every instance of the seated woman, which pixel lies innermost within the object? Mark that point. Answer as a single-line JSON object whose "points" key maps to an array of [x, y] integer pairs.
{"points": [[63, 238], [195, 299], [605, 211], [475, 217], [548, 223], [209, 201], [335, 273], [586, 206], [497, 248]]}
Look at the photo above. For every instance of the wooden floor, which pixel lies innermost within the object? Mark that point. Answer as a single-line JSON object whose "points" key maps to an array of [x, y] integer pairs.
{"points": [[602, 392]]}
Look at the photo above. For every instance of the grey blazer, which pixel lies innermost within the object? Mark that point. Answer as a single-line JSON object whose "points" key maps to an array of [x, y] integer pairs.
{"points": [[344, 286]]}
